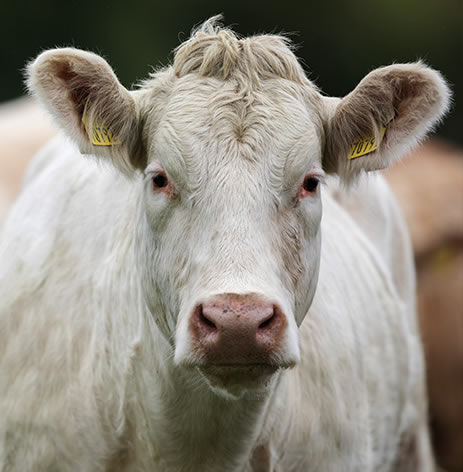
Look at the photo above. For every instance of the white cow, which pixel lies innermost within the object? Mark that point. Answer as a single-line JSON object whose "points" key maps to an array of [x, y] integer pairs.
{"points": [[178, 303]]}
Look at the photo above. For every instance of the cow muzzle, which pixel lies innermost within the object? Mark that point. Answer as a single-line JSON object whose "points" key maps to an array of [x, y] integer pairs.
{"points": [[239, 339]]}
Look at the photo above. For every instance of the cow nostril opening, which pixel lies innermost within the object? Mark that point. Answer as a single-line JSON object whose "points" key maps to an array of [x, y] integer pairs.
{"points": [[204, 319], [268, 321]]}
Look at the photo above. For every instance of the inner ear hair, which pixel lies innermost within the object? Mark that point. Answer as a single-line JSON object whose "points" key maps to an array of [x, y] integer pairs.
{"points": [[78, 92]]}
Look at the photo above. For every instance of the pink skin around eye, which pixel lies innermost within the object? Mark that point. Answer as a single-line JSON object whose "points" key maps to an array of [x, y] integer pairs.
{"points": [[154, 170], [302, 192], [167, 190]]}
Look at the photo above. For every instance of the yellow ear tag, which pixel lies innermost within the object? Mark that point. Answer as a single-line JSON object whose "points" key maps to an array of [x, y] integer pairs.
{"points": [[98, 133], [365, 145]]}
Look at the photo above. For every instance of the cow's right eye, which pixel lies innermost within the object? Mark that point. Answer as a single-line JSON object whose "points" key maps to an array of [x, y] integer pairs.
{"points": [[310, 184], [159, 180]]}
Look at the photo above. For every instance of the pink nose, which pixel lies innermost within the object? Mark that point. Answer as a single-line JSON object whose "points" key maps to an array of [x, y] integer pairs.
{"points": [[238, 329]]}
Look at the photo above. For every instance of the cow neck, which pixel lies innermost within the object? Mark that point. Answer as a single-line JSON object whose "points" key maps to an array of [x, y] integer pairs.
{"points": [[191, 424]]}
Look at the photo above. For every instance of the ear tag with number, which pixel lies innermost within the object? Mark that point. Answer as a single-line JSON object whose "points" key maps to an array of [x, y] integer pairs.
{"points": [[365, 145], [98, 133]]}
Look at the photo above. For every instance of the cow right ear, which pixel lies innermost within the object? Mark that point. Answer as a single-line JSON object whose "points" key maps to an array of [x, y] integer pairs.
{"points": [[87, 100], [390, 110]]}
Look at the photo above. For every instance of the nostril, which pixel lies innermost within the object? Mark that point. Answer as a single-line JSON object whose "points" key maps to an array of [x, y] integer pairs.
{"points": [[204, 319], [268, 321]]}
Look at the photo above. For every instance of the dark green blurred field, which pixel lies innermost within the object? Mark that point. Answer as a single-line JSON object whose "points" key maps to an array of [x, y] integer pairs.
{"points": [[339, 41]]}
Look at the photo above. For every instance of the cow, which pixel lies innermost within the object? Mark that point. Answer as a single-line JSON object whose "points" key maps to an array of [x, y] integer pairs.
{"points": [[175, 301], [24, 128], [436, 230]]}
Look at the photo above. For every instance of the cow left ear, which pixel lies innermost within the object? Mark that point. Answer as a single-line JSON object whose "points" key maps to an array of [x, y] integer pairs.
{"points": [[390, 110], [87, 100]]}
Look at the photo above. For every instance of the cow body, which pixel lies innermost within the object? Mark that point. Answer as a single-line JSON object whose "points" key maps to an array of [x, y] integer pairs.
{"points": [[110, 355], [101, 394]]}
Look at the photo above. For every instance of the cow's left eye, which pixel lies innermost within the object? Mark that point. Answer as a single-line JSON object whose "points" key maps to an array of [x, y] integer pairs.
{"points": [[310, 184], [159, 180]]}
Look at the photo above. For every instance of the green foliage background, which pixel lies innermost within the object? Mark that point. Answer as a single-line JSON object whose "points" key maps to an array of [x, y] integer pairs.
{"points": [[339, 41]]}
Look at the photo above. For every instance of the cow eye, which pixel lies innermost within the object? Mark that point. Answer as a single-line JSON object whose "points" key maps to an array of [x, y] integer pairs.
{"points": [[159, 180], [310, 184]]}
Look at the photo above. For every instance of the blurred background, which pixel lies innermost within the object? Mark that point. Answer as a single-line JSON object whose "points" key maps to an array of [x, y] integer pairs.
{"points": [[339, 41]]}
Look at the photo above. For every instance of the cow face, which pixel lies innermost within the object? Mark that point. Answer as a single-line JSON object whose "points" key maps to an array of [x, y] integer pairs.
{"points": [[232, 200], [229, 149]]}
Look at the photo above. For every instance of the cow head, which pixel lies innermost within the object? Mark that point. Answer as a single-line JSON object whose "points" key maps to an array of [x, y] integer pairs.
{"points": [[229, 148]]}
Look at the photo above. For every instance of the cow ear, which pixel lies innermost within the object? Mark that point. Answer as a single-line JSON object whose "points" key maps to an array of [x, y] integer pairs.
{"points": [[87, 100], [390, 110]]}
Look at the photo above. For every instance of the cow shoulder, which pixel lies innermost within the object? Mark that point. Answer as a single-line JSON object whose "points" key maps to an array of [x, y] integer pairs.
{"points": [[356, 325], [373, 207]]}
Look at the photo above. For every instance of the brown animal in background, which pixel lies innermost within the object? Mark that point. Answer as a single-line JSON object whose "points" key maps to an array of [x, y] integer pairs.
{"points": [[24, 128], [429, 186]]}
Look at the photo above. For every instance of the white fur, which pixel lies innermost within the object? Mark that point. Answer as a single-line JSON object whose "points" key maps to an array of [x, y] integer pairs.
{"points": [[99, 275]]}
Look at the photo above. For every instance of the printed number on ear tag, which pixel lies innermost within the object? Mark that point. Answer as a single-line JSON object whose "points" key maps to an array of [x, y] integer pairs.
{"points": [[365, 145], [99, 134]]}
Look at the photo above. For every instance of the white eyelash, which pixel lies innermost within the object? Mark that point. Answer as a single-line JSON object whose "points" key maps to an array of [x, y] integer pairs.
{"points": [[153, 168]]}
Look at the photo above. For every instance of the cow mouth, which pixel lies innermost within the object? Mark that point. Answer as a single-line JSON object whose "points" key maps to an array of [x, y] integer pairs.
{"points": [[238, 378]]}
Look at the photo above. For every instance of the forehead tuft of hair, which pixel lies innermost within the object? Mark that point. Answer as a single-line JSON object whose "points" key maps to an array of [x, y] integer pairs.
{"points": [[215, 51]]}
